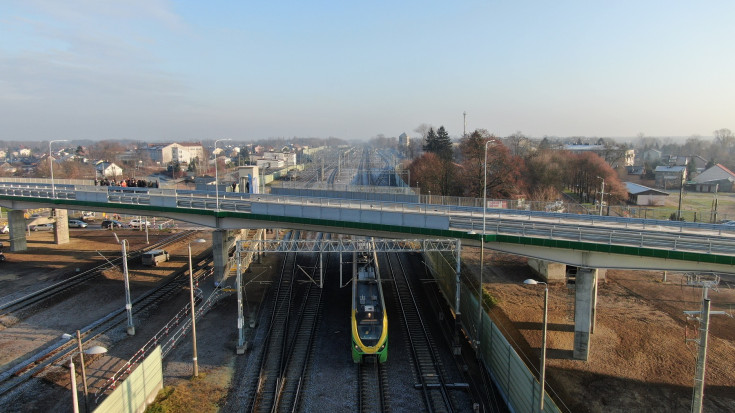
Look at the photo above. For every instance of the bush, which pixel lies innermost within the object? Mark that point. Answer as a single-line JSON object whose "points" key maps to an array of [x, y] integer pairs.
{"points": [[488, 301]]}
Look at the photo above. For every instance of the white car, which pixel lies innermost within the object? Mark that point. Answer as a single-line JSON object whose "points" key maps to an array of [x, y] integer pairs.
{"points": [[137, 223], [4, 229], [75, 223]]}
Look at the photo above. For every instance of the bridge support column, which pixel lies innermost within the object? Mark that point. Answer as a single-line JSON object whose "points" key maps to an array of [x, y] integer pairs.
{"points": [[61, 229], [584, 311], [17, 225], [219, 251], [548, 270]]}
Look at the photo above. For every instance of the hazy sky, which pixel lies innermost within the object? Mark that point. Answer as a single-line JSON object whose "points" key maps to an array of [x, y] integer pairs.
{"points": [[156, 69]]}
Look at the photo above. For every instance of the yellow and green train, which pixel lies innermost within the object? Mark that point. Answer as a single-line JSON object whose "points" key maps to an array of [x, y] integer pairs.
{"points": [[369, 318]]}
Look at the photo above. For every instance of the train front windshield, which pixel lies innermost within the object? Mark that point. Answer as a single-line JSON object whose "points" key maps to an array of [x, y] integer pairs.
{"points": [[369, 312]]}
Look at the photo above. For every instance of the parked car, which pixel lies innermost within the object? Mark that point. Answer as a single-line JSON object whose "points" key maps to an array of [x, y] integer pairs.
{"points": [[88, 216], [138, 223], [75, 223], [2, 256], [153, 257], [42, 227], [112, 224], [4, 229]]}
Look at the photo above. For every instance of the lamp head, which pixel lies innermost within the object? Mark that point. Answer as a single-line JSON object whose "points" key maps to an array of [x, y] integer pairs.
{"points": [[198, 241], [530, 282], [95, 350]]}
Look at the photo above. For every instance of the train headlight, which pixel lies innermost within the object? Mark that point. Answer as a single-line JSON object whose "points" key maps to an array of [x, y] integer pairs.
{"points": [[382, 347], [356, 347]]}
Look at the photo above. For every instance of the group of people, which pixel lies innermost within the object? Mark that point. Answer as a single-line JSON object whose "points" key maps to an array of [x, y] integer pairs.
{"points": [[127, 183]]}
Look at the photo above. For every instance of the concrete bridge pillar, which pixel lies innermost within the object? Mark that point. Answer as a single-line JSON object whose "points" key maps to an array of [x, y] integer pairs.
{"points": [[219, 251], [584, 311], [17, 225], [550, 271], [61, 229]]}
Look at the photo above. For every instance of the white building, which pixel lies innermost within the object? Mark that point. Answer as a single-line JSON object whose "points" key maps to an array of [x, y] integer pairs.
{"points": [[612, 155], [108, 170], [285, 158], [175, 152], [24, 153]]}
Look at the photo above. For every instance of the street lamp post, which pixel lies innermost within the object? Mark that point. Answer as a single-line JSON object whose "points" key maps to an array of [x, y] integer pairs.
{"points": [[193, 313], [482, 248], [681, 190], [51, 165], [216, 177], [91, 350], [602, 193], [542, 378]]}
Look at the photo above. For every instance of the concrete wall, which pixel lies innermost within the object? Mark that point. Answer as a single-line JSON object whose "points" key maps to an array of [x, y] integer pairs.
{"points": [[139, 389], [326, 193], [365, 216], [550, 271]]}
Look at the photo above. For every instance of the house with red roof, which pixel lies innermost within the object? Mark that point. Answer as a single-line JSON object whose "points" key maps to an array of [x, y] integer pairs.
{"points": [[715, 179]]}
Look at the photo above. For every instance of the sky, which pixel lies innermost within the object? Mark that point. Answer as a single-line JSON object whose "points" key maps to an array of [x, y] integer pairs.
{"points": [[247, 70]]}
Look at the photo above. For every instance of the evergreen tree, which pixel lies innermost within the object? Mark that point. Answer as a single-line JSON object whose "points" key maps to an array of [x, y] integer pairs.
{"points": [[431, 143], [439, 143], [444, 144]]}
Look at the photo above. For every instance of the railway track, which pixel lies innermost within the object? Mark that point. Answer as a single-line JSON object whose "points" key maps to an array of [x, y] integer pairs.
{"points": [[293, 377], [36, 297], [372, 382], [427, 363], [23, 370], [284, 358], [272, 357]]}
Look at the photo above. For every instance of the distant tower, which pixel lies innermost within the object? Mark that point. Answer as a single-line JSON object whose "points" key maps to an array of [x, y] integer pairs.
{"points": [[464, 129], [403, 140]]}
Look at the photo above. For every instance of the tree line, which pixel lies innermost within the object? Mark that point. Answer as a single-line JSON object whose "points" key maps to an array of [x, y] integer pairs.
{"points": [[541, 174]]}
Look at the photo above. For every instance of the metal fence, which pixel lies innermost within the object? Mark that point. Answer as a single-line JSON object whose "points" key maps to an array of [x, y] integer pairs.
{"points": [[517, 381]]}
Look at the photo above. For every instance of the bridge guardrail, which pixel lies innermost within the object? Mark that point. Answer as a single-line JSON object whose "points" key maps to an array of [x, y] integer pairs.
{"points": [[587, 231]]}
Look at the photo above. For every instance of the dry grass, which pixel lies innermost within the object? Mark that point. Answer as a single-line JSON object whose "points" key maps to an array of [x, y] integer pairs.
{"points": [[200, 394]]}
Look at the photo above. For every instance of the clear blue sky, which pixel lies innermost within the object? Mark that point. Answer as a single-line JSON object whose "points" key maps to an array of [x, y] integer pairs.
{"points": [[154, 69]]}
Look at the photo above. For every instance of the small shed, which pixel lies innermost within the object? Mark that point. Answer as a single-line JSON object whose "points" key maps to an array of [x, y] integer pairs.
{"points": [[643, 195]]}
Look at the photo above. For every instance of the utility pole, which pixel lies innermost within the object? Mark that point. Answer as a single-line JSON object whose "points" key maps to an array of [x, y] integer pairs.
{"points": [[681, 189], [602, 193], [705, 281]]}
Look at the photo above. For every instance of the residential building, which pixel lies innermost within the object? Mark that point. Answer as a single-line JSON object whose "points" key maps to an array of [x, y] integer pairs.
{"points": [[108, 170], [643, 195], [7, 168], [614, 155], [24, 152], [670, 177], [175, 152], [715, 179], [651, 155]]}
